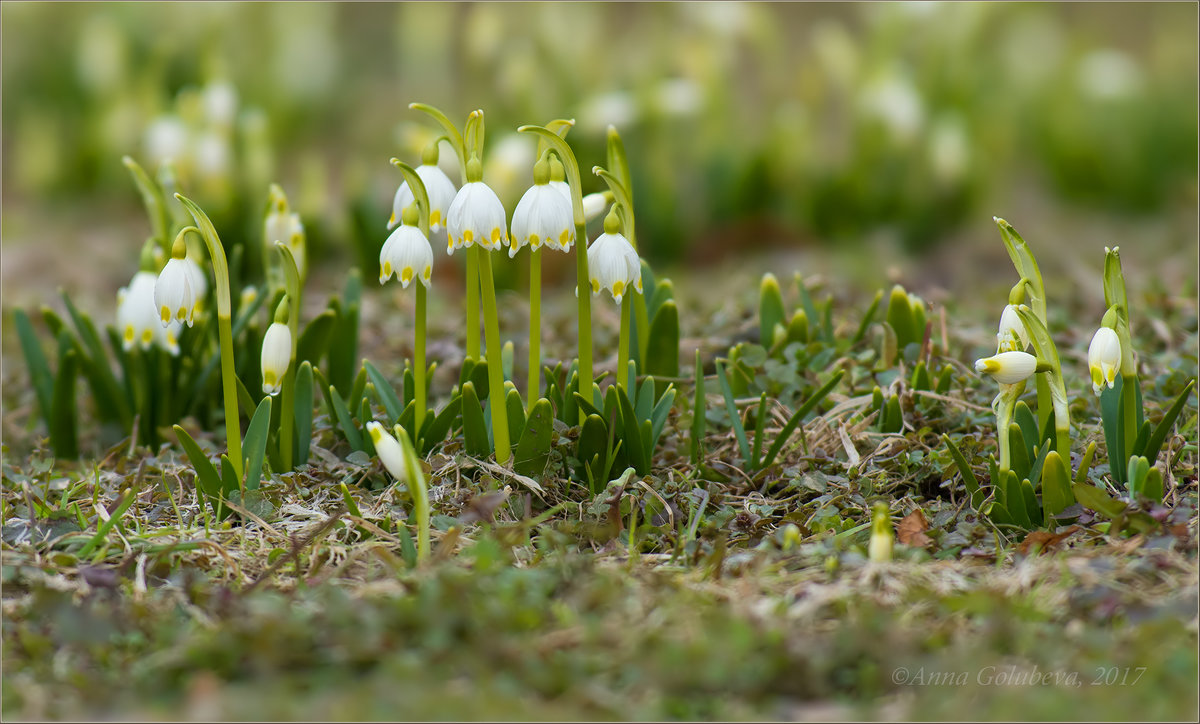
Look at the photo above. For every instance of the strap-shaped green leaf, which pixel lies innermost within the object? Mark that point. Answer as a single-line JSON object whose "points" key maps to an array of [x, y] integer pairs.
{"points": [[734, 418], [255, 443], [968, 475], [631, 435], [206, 475], [1056, 486], [314, 340], [1093, 498], [383, 390], [475, 435], [533, 449], [662, 354], [1014, 498], [868, 317], [303, 411], [35, 360], [343, 348], [770, 309], [1032, 508], [154, 200], [514, 408], [658, 418], [110, 402], [64, 435], [441, 424], [1019, 461], [1111, 404], [1155, 442], [345, 422], [591, 448]]}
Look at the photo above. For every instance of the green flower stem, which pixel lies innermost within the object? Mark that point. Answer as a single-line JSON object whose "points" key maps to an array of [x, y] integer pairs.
{"points": [[1116, 297], [571, 166], [473, 351], [456, 139], [233, 427], [291, 274], [623, 340], [419, 362], [421, 196], [1052, 379], [1004, 405], [624, 203], [495, 369], [533, 387]]}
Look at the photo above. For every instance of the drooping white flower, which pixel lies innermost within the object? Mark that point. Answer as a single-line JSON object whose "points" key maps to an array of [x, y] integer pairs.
{"points": [[542, 216], [1008, 368], [441, 193], [612, 262], [476, 215], [1012, 337], [1104, 358], [390, 451], [276, 356], [137, 320], [177, 291], [283, 225], [593, 204], [407, 254]]}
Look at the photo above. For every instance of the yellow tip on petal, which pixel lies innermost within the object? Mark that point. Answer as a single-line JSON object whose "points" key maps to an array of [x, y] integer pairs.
{"points": [[618, 289], [165, 314], [406, 275], [595, 286], [129, 333]]}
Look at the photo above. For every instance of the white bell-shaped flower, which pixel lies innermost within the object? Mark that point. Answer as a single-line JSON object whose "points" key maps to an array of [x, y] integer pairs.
{"points": [[441, 193], [593, 204], [558, 176], [1008, 368], [1104, 358], [137, 320], [276, 355], [390, 451], [406, 253], [283, 225], [1012, 337], [476, 215], [612, 262], [179, 288], [542, 216]]}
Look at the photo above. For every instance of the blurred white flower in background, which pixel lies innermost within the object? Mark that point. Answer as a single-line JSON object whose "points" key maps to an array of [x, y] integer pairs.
{"points": [[509, 166], [1109, 74], [894, 101], [949, 152]]}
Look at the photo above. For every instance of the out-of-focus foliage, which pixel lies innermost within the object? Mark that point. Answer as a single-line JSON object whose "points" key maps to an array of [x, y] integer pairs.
{"points": [[750, 122]]}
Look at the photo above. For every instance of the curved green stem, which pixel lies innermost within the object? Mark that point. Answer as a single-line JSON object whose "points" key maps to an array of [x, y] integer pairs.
{"points": [[233, 428], [584, 288], [1045, 351], [291, 275], [455, 138], [533, 386], [495, 369], [624, 203], [421, 195]]}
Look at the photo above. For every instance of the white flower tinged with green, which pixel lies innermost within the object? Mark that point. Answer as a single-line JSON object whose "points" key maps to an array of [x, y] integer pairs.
{"points": [[408, 255], [593, 204], [476, 216], [390, 451], [1012, 337], [179, 288], [542, 216], [441, 192], [276, 356], [283, 225], [612, 262], [1008, 368], [137, 320], [1104, 358]]}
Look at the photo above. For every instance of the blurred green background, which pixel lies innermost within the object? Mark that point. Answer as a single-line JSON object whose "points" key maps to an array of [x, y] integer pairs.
{"points": [[867, 126]]}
